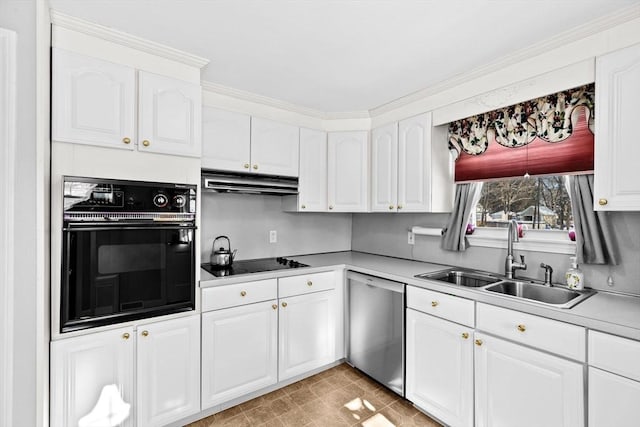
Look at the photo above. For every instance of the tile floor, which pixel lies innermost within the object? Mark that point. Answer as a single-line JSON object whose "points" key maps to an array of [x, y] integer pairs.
{"points": [[340, 396]]}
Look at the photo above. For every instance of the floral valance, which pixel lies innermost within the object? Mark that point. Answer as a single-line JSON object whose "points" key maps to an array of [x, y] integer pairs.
{"points": [[551, 135], [550, 118]]}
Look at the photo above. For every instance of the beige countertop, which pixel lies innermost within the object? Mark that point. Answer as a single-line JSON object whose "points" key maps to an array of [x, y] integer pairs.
{"points": [[606, 312]]}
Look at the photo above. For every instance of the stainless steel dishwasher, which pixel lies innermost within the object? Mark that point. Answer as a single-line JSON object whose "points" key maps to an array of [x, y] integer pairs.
{"points": [[376, 329]]}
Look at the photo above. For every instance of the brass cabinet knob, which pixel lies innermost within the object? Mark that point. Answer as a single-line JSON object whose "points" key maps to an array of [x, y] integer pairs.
{"points": [[478, 343], [434, 303], [255, 167], [243, 293], [522, 328], [246, 165], [465, 335], [303, 207], [309, 283], [126, 140], [284, 304], [390, 207], [274, 306], [145, 333], [399, 206], [146, 143], [602, 202], [126, 336], [330, 207]]}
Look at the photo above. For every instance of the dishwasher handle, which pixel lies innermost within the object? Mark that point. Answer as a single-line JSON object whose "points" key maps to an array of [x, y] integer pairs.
{"points": [[376, 282]]}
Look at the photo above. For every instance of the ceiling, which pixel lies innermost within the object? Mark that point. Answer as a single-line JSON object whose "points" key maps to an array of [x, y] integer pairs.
{"points": [[341, 55]]}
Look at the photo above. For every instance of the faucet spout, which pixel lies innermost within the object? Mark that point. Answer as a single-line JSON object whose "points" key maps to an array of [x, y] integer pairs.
{"points": [[509, 265]]}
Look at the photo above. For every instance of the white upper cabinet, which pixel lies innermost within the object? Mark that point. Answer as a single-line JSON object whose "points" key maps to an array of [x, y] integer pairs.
{"points": [[384, 168], [410, 167], [313, 171], [226, 140], [169, 114], [274, 147], [348, 171], [616, 186], [93, 101]]}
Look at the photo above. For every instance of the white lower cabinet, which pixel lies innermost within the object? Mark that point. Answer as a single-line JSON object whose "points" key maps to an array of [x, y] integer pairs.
{"points": [[165, 355], [239, 351], [613, 400], [440, 368], [307, 334], [519, 386]]}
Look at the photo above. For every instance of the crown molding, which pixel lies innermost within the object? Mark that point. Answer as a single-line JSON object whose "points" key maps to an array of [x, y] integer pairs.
{"points": [[280, 104], [585, 30], [120, 37]]}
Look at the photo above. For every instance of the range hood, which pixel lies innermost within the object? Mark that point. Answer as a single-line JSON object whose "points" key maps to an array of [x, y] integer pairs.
{"points": [[230, 182]]}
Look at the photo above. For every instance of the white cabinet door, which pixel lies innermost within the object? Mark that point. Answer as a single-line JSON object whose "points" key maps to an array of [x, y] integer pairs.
{"points": [[519, 386], [440, 368], [414, 164], [616, 186], [307, 333], [274, 147], [613, 400], [93, 101], [168, 371], [313, 171], [384, 168], [239, 351], [82, 366], [169, 115], [226, 140], [348, 171]]}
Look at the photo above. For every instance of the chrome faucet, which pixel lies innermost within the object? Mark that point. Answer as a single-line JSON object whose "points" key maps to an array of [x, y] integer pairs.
{"points": [[548, 272], [509, 265]]}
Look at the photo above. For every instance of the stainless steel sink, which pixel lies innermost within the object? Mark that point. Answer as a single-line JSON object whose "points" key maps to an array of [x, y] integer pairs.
{"points": [[554, 296], [462, 277]]}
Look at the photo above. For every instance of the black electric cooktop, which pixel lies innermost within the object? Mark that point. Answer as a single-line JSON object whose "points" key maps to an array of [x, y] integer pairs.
{"points": [[248, 266]]}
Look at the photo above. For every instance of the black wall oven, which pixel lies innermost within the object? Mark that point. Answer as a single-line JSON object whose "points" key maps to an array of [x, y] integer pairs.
{"points": [[128, 251]]}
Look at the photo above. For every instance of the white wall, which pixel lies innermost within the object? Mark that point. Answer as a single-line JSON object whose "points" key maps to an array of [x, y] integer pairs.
{"points": [[20, 16], [386, 234], [247, 219]]}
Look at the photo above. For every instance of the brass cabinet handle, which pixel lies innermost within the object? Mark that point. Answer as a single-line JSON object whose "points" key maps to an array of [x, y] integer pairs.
{"points": [[465, 335], [390, 207], [309, 283], [126, 140], [522, 328], [434, 303], [399, 206], [478, 343], [243, 293], [330, 207], [126, 336], [246, 165], [303, 207], [255, 167], [145, 333], [146, 143], [602, 202], [274, 306], [284, 304]]}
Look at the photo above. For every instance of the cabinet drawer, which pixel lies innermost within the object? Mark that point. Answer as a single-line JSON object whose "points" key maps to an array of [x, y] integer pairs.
{"points": [[448, 307], [614, 354], [546, 334], [307, 283], [239, 294]]}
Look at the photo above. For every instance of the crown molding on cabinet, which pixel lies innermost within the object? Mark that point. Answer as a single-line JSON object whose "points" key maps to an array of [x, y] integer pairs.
{"points": [[125, 39], [585, 30]]}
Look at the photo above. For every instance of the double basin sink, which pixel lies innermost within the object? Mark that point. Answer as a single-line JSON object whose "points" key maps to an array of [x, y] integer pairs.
{"points": [[519, 289]]}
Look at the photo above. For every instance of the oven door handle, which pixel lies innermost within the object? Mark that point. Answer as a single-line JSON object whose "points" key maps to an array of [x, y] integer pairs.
{"points": [[131, 227]]}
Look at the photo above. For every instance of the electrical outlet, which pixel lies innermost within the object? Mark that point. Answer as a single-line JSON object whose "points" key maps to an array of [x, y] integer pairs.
{"points": [[273, 236], [411, 238]]}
